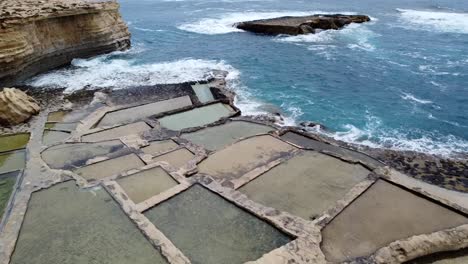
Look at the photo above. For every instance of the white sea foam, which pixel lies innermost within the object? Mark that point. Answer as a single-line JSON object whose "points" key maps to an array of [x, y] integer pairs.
{"points": [[358, 36], [412, 98], [148, 29], [375, 135], [449, 22], [223, 23], [118, 73]]}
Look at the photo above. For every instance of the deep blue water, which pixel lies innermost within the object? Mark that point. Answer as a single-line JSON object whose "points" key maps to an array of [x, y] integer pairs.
{"points": [[400, 81]]}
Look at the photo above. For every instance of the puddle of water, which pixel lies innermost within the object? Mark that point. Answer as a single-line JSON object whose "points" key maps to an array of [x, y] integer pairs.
{"points": [[13, 142], [135, 113], [383, 214], [196, 117], [203, 92], [68, 226], [67, 156], [7, 182], [51, 137], [244, 156], [12, 161], [214, 138], [58, 116], [177, 158], [210, 230], [452, 257], [159, 147], [305, 185], [146, 184], [109, 167], [62, 126], [300, 140], [117, 132]]}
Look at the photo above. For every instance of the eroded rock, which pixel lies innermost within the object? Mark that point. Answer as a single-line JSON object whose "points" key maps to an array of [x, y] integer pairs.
{"points": [[16, 106], [300, 25], [37, 36]]}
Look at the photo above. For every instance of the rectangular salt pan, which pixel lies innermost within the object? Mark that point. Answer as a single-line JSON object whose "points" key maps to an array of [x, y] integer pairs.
{"points": [[196, 117], [117, 132], [210, 230], [110, 167], [138, 112], [70, 226], [146, 184]]}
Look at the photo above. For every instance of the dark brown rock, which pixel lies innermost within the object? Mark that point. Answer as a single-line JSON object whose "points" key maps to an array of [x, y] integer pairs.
{"points": [[300, 25]]}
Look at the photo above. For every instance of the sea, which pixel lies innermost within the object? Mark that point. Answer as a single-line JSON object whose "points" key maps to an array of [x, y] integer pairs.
{"points": [[397, 82]]}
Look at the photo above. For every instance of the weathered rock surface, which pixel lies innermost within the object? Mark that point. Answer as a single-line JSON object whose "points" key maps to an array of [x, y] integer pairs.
{"points": [[36, 36], [300, 25], [16, 106]]}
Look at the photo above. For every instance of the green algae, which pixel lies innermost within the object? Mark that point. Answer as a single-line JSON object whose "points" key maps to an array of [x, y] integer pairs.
{"points": [[12, 161], [7, 182], [70, 226], [61, 126], [13, 141], [210, 230]]}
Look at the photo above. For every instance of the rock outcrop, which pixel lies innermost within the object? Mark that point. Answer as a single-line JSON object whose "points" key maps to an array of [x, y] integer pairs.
{"points": [[16, 107], [36, 36], [300, 25]]}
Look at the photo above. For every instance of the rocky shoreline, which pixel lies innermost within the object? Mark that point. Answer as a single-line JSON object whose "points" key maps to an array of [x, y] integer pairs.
{"points": [[38, 36], [175, 173]]}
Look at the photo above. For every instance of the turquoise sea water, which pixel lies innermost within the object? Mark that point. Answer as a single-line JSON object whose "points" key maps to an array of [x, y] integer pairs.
{"points": [[399, 82]]}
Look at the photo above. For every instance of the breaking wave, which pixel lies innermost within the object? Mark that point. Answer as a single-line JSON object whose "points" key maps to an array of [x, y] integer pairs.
{"points": [[375, 135], [101, 72], [448, 22], [410, 97]]}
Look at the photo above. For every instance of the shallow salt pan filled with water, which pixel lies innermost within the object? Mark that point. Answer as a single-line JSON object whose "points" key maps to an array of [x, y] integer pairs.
{"points": [[156, 147], [7, 183], [305, 185], [132, 114], [210, 230], [110, 167], [117, 132], [68, 156], [214, 138], [177, 158], [196, 117], [70, 226], [382, 214], [146, 184], [244, 156]]}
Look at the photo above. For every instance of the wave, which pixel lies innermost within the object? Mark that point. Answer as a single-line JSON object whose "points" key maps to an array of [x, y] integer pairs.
{"points": [[412, 98], [102, 72], [357, 36], [447, 22], [223, 23], [375, 135], [148, 29]]}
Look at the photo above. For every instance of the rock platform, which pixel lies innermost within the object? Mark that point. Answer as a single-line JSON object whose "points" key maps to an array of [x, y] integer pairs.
{"points": [[176, 174]]}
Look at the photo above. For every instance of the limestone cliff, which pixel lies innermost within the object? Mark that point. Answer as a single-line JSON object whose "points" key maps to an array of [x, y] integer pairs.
{"points": [[36, 36]]}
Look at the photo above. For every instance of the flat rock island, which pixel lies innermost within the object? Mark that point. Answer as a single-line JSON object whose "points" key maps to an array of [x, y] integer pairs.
{"points": [[290, 25]]}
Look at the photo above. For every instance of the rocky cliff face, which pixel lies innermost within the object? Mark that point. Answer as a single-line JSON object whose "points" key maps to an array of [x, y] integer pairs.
{"points": [[36, 36]]}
